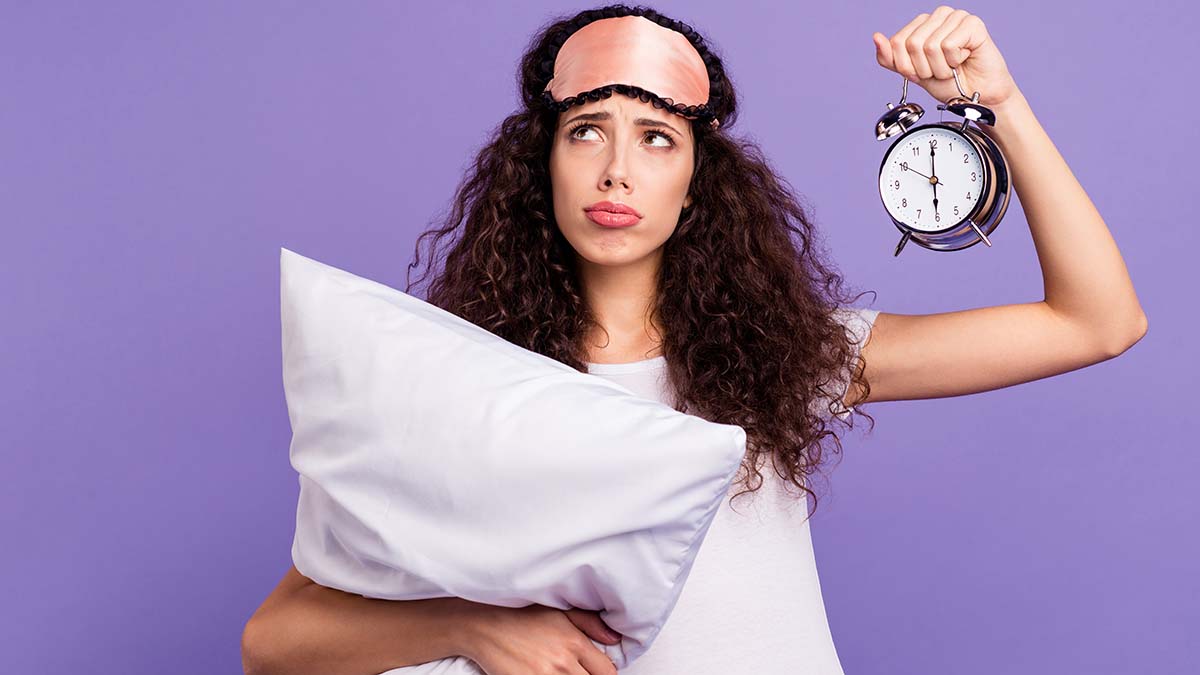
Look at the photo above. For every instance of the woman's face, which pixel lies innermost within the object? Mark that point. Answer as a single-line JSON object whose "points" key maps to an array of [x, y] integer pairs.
{"points": [[623, 151]]}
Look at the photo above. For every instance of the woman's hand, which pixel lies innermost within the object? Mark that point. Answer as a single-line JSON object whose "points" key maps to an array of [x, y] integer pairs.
{"points": [[539, 640], [930, 45]]}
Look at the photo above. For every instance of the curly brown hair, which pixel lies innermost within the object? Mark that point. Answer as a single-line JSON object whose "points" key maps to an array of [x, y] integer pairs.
{"points": [[744, 294]]}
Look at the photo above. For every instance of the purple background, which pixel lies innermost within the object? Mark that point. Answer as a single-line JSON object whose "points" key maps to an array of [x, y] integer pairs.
{"points": [[156, 156]]}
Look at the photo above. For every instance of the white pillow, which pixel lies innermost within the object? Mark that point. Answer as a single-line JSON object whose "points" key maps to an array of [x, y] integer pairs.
{"points": [[437, 459]]}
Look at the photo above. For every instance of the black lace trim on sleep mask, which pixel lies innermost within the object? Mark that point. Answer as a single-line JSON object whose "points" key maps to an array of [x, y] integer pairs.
{"points": [[700, 113]]}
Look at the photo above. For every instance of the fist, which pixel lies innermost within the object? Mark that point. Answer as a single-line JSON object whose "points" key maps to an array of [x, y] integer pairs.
{"points": [[930, 45]]}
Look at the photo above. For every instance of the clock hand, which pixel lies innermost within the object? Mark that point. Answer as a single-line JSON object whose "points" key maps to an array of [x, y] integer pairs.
{"points": [[933, 173], [930, 179]]}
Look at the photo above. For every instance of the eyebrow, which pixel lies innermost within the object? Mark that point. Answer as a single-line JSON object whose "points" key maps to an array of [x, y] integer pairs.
{"points": [[641, 121]]}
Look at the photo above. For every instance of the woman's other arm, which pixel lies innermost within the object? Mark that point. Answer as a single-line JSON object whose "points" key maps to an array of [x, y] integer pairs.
{"points": [[303, 627]]}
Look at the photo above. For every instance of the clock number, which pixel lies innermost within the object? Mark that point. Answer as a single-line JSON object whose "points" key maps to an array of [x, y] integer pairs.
{"points": [[968, 196], [904, 166], [933, 143], [917, 150], [951, 147], [972, 176], [937, 217], [956, 209], [904, 202], [897, 185], [918, 213], [965, 156]]}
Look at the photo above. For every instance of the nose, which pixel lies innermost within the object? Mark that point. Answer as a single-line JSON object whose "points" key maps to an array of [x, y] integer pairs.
{"points": [[617, 171]]}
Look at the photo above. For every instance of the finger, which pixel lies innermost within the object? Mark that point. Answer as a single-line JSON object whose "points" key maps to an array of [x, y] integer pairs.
{"points": [[609, 632], [965, 39], [590, 623], [917, 41], [900, 51], [962, 41], [883, 51], [596, 662], [935, 51]]}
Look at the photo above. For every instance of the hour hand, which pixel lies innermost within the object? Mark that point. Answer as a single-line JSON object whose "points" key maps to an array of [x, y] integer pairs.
{"points": [[932, 179]]}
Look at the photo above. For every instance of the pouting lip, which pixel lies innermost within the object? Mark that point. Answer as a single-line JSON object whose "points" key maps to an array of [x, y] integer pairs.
{"points": [[613, 208]]}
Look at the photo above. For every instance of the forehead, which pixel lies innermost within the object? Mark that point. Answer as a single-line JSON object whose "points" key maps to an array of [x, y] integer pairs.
{"points": [[623, 108]]}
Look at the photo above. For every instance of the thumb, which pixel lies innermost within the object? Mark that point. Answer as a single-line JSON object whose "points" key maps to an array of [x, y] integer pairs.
{"points": [[883, 51], [593, 626]]}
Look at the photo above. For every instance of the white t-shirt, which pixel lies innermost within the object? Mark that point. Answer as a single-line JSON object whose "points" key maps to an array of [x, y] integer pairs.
{"points": [[752, 604]]}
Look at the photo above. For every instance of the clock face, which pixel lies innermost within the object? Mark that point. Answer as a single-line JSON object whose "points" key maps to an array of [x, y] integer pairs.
{"points": [[931, 179]]}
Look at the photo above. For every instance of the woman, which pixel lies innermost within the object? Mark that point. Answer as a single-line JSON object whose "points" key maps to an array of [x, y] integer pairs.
{"points": [[628, 234]]}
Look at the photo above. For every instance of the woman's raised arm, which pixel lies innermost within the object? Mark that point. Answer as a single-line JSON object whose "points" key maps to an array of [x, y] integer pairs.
{"points": [[1090, 312]]}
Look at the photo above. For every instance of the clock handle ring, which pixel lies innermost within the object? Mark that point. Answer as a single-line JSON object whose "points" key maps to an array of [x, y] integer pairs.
{"points": [[904, 89], [974, 98]]}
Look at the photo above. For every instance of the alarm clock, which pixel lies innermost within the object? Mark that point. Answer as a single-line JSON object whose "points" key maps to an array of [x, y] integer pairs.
{"points": [[945, 185]]}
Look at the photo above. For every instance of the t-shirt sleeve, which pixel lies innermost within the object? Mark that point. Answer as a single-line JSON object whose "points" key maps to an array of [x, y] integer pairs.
{"points": [[857, 322]]}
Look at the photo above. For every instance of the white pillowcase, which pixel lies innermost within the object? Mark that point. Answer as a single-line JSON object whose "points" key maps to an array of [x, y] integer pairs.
{"points": [[437, 459]]}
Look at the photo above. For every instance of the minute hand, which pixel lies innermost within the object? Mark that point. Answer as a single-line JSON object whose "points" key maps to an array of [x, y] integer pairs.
{"points": [[934, 180]]}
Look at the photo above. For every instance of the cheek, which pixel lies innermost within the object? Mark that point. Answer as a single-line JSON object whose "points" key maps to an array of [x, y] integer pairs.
{"points": [[565, 163], [560, 173], [679, 178]]}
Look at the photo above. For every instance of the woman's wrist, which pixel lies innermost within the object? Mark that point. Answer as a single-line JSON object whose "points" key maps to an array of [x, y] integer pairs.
{"points": [[468, 622], [1012, 115]]}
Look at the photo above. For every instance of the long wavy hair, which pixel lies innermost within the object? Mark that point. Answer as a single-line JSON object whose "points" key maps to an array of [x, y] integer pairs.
{"points": [[744, 293]]}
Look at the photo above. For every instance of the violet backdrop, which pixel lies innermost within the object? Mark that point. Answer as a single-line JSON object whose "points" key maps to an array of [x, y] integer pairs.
{"points": [[156, 156]]}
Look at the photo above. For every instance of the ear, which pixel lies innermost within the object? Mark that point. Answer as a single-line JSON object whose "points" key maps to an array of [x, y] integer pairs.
{"points": [[687, 201]]}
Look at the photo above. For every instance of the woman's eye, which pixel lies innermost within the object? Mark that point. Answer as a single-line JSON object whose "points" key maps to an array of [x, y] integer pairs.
{"points": [[578, 129], [667, 139]]}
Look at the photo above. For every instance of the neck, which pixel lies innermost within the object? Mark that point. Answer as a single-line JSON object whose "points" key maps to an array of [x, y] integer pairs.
{"points": [[622, 299]]}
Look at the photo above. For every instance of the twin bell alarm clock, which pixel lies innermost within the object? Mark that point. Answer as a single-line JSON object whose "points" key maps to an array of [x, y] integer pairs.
{"points": [[945, 186]]}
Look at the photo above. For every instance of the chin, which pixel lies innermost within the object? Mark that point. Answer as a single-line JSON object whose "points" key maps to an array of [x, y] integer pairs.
{"points": [[612, 247], [612, 251], [611, 257]]}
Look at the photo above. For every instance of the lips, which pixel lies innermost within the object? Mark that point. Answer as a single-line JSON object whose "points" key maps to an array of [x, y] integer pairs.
{"points": [[610, 214]]}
